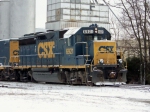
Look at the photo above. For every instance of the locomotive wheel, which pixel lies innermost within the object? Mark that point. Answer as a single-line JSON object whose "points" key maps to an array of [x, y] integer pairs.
{"points": [[1, 75], [29, 75], [69, 83], [119, 78]]}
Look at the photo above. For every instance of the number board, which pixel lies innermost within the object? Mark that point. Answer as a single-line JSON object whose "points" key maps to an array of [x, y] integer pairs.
{"points": [[100, 31], [88, 31], [69, 51], [92, 31]]}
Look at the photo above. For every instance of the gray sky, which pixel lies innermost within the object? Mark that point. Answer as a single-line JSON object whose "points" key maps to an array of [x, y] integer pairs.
{"points": [[41, 9]]}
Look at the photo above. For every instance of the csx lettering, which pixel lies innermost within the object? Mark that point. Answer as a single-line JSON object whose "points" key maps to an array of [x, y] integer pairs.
{"points": [[45, 50], [107, 49]]}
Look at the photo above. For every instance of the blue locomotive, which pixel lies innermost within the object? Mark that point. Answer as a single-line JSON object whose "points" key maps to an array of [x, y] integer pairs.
{"points": [[85, 55]]}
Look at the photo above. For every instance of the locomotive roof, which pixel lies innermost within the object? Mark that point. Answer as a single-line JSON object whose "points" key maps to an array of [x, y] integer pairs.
{"points": [[26, 37], [9, 39]]}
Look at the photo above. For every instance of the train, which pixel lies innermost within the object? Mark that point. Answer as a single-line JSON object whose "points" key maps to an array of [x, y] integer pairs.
{"points": [[75, 55]]}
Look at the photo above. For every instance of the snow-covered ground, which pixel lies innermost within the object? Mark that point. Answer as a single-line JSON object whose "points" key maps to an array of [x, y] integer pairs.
{"points": [[32, 97]]}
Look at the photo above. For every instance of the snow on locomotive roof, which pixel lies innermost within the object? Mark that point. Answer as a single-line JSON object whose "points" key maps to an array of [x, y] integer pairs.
{"points": [[9, 39], [71, 31]]}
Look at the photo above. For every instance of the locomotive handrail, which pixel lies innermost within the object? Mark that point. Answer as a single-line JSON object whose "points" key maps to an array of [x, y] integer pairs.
{"points": [[34, 55], [82, 55], [5, 59], [94, 58], [92, 62]]}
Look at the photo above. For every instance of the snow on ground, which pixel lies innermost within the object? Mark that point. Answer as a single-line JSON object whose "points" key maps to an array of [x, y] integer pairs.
{"points": [[32, 97]]}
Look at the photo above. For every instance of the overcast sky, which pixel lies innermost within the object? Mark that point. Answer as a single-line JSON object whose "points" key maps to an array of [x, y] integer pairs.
{"points": [[41, 8]]}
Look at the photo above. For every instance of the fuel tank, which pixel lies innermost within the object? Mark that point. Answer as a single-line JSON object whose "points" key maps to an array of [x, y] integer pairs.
{"points": [[48, 75]]}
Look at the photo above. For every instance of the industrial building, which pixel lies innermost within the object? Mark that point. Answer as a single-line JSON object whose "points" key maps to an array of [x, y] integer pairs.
{"points": [[76, 13], [17, 17]]}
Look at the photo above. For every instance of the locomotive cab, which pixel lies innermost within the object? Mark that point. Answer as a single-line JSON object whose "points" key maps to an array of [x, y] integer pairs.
{"points": [[91, 47], [94, 46], [106, 62]]}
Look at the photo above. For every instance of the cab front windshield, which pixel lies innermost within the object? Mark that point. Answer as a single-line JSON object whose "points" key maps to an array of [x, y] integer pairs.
{"points": [[89, 38], [93, 37]]}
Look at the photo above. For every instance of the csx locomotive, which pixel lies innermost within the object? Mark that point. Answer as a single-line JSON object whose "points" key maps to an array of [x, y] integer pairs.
{"points": [[85, 55]]}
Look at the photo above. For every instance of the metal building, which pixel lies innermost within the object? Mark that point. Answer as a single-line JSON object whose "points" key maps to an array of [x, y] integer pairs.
{"points": [[76, 13], [22, 17], [17, 17], [4, 19]]}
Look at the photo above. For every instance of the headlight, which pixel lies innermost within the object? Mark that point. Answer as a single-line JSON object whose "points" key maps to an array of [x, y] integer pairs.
{"points": [[120, 60], [101, 61]]}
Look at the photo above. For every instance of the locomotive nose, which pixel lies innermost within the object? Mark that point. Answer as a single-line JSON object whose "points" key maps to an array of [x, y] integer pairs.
{"points": [[105, 52]]}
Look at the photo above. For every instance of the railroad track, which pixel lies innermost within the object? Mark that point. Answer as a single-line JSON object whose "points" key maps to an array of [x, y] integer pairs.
{"points": [[10, 85], [137, 87], [3, 86], [145, 88]]}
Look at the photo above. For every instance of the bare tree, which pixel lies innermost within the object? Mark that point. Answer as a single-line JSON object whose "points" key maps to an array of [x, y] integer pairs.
{"points": [[135, 16]]}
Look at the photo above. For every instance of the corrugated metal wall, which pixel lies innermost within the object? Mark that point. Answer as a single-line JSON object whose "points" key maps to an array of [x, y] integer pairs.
{"points": [[4, 19], [75, 12], [60, 25], [17, 17], [22, 17]]}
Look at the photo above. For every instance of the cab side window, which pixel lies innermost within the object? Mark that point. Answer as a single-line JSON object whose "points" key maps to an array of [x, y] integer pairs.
{"points": [[69, 41], [88, 37], [78, 38]]}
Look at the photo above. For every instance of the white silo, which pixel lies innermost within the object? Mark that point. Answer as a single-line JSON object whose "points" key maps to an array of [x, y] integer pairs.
{"points": [[4, 19], [22, 17], [76, 13]]}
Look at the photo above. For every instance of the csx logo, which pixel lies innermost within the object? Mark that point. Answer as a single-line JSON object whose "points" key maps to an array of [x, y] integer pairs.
{"points": [[106, 49], [15, 52], [45, 50]]}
